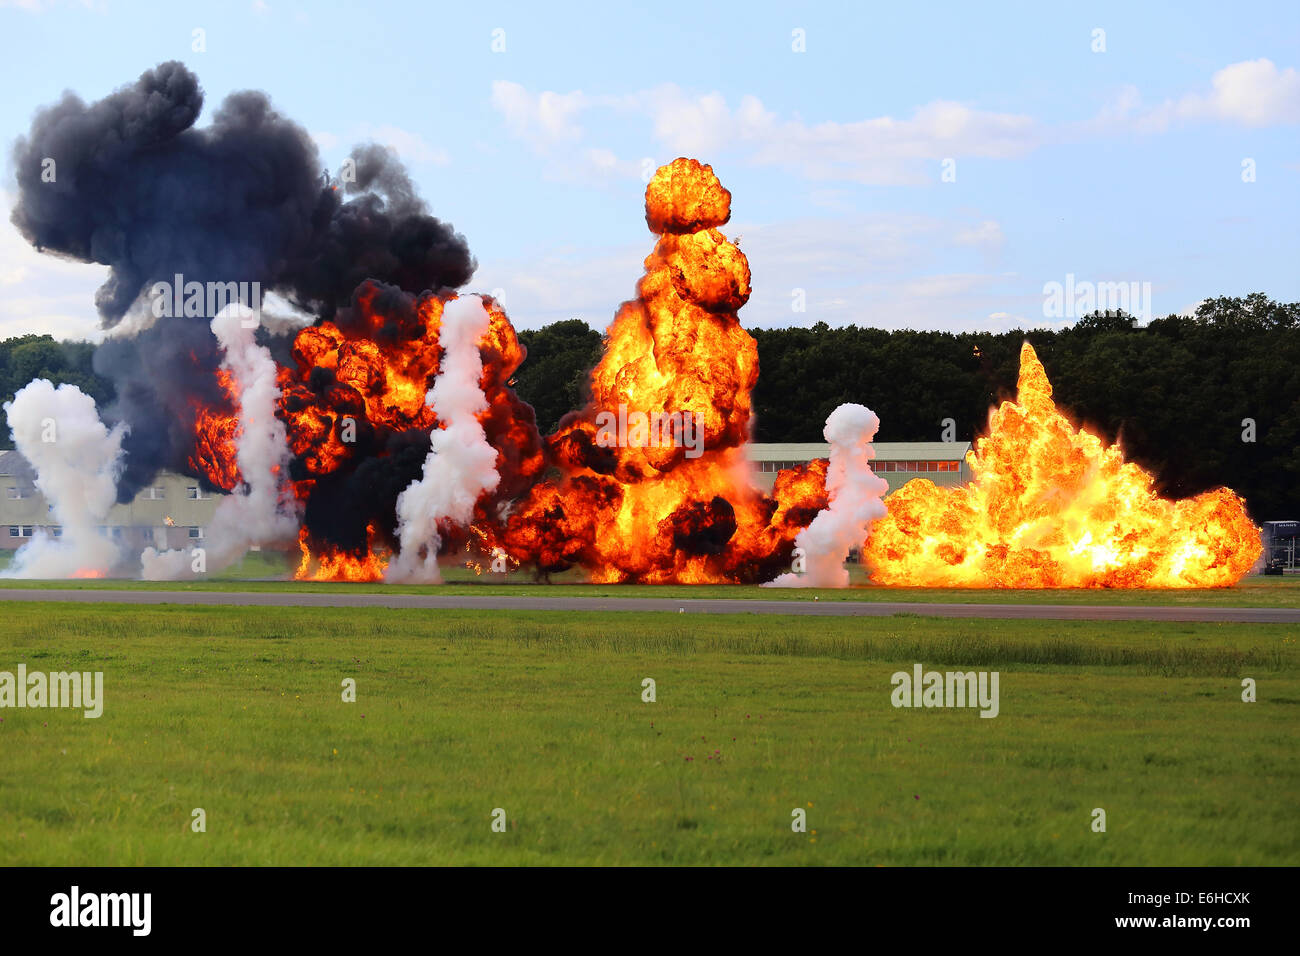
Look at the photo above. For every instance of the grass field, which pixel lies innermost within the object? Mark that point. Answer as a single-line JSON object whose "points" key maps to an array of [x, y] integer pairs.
{"points": [[270, 572], [238, 711]]}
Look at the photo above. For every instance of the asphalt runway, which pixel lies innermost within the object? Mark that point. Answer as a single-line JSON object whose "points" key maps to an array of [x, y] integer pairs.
{"points": [[433, 602]]}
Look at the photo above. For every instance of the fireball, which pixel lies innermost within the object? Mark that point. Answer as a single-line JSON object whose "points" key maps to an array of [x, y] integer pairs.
{"points": [[629, 509], [1052, 506]]}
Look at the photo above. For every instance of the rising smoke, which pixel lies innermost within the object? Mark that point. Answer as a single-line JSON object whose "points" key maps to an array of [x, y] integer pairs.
{"points": [[461, 464], [77, 461], [129, 181], [854, 491], [260, 511]]}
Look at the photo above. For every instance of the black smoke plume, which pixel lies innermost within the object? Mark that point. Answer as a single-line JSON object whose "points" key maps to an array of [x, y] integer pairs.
{"points": [[137, 187]]}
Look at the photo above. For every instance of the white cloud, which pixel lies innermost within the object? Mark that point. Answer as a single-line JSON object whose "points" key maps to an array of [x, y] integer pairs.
{"points": [[542, 119], [411, 147], [986, 234], [882, 269], [877, 151], [1251, 93], [564, 284], [41, 293], [880, 150]]}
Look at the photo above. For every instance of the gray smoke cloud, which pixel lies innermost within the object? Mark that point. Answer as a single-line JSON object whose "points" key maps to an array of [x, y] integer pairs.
{"points": [[261, 510], [129, 181]]}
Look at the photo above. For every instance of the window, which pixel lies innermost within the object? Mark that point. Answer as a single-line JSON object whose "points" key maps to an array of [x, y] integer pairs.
{"points": [[57, 531], [155, 493], [196, 532], [193, 493], [14, 492], [21, 531], [13, 531]]}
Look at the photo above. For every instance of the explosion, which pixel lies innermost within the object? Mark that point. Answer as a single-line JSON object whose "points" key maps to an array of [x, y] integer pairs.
{"points": [[628, 506], [216, 437], [354, 403], [338, 435], [1051, 506]]}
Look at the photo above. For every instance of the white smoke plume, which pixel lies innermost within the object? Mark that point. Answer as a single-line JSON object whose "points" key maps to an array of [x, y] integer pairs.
{"points": [[77, 462], [260, 511], [461, 464], [853, 491]]}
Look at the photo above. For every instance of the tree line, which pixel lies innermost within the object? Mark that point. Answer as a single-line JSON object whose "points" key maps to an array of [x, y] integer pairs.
{"points": [[1200, 401]]}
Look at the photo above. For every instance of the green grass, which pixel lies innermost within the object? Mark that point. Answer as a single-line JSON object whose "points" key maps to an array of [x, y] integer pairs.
{"points": [[267, 571], [238, 711]]}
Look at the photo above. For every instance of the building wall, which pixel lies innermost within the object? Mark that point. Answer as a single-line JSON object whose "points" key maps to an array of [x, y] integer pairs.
{"points": [[943, 463], [140, 523]]}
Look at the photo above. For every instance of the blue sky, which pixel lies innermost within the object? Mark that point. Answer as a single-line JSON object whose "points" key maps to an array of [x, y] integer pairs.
{"points": [[1118, 165]]}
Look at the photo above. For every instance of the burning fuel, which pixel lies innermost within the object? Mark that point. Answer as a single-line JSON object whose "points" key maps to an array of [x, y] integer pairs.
{"points": [[261, 509], [381, 431], [461, 465], [663, 511], [1053, 506]]}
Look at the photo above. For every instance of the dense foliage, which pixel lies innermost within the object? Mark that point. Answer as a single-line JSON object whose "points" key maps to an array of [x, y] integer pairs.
{"points": [[1175, 392]]}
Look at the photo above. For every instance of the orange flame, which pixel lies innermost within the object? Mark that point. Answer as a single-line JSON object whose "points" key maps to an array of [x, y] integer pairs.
{"points": [[1052, 506], [330, 564], [353, 385], [646, 510], [216, 435]]}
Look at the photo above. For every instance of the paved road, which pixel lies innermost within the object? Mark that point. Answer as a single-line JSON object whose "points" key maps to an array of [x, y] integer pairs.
{"points": [[1052, 612]]}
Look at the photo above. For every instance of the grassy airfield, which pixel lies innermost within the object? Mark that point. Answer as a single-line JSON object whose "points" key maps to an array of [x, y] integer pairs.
{"points": [[238, 711]]}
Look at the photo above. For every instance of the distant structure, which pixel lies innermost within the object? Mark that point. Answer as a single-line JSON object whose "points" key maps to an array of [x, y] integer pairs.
{"points": [[944, 463], [173, 512], [1281, 547]]}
